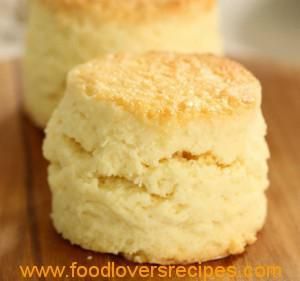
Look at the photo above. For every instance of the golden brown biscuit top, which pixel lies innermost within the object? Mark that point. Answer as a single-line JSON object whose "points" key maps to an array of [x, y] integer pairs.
{"points": [[129, 9], [164, 86]]}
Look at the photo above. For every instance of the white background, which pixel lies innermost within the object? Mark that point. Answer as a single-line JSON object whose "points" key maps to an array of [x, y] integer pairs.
{"points": [[268, 28]]}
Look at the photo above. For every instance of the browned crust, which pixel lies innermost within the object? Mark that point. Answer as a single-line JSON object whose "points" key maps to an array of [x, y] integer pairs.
{"points": [[169, 85]]}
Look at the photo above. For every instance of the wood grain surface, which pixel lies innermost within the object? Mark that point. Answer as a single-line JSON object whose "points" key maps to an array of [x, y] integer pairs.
{"points": [[28, 238]]}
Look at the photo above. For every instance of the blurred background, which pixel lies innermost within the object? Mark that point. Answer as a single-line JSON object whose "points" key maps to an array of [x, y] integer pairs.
{"points": [[263, 28]]}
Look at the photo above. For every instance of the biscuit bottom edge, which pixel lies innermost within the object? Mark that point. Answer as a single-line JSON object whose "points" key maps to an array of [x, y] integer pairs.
{"points": [[122, 219], [142, 257]]}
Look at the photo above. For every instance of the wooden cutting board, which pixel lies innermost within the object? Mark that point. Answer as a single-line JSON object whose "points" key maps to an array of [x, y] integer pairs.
{"points": [[28, 238]]}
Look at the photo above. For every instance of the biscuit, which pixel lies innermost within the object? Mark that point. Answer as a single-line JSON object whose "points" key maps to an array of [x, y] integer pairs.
{"points": [[63, 34], [160, 157]]}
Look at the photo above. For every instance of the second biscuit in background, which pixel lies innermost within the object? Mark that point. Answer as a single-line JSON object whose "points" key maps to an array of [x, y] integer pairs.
{"points": [[62, 34]]}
